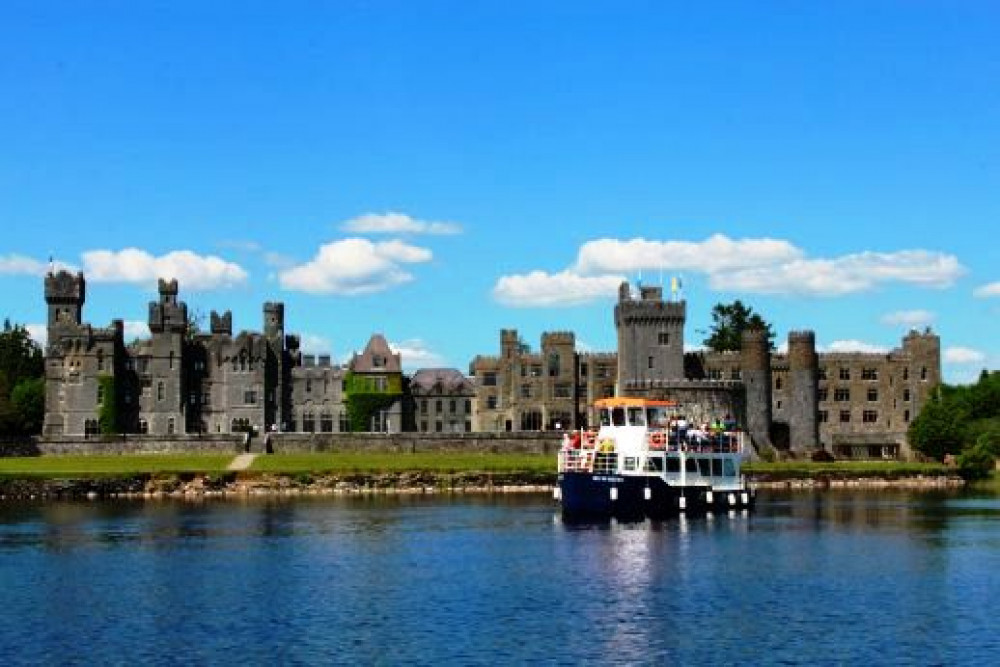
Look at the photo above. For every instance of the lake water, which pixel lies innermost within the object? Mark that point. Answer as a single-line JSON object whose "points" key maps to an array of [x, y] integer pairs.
{"points": [[830, 577]]}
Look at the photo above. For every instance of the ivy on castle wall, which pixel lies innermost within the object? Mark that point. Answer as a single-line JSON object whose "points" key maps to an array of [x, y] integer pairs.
{"points": [[364, 398], [107, 416]]}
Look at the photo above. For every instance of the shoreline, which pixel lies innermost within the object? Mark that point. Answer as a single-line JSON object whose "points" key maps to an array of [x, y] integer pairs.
{"points": [[242, 485]]}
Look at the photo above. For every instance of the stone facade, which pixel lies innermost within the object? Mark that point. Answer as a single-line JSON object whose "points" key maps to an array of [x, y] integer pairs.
{"points": [[855, 405], [442, 401], [178, 382]]}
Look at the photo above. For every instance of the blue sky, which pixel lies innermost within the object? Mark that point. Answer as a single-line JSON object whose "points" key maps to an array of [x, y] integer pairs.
{"points": [[438, 171]]}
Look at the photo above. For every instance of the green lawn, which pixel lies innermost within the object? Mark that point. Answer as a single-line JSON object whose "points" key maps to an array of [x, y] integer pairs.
{"points": [[794, 469], [99, 465], [378, 463]]}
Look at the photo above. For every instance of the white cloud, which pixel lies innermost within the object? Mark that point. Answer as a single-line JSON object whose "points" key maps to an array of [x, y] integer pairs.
{"points": [[761, 266], [354, 266], [397, 223], [539, 288], [315, 344], [192, 271], [855, 346], [14, 264], [908, 318], [38, 333], [988, 290], [136, 329], [963, 355], [844, 275], [716, 253], [415, 354]]}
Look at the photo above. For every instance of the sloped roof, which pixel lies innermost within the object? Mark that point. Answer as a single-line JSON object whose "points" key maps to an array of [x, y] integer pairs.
{"points": [[448, 380], [377, 350]]}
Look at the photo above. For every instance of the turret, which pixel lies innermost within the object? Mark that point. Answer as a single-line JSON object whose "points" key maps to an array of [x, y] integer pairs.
{"points": [[803, 387], [650, 336], [222, 324], [168, 315], [65, 294], [274, 319], [756, 363]]}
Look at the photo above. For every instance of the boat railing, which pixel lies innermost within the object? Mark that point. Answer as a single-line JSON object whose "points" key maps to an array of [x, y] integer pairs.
{"points": [[576, 460], [728, 442]]}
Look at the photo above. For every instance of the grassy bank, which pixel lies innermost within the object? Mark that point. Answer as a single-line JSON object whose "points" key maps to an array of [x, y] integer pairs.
{"points": [[71, 466], [389, 463], [845, 469]]}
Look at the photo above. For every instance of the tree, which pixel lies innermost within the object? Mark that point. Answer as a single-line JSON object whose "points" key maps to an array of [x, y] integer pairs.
{"points": [[28, 402], [939, 429], [729, 321], [22, 388]]}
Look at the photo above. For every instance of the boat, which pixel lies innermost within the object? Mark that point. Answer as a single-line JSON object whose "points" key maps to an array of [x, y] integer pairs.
{"points": [[645, 461]]}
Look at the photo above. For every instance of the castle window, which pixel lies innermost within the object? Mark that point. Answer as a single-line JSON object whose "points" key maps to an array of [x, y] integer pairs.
{"points": [[326, 422], [344, 423], [525, 391], [91, 427], [715, 374], [378, 361], [243, 364], [845, 373], [309, 386], [562, 390], [583, 369], [923, 373], [841, 395], [236, 366], [143, 426], [650, 362], [906, 395], [100, 394], [170, 426], [906, 416], [821, 373], [437, 406], [536, 370], [423, 406], [823, 416], [451, 406], [906, 373], [845, 416], [491, 403], [206, 398], [159, 391], [489, 379], [468, 427], [553, 365], [822, 395], [423, 426], [468, 406], [873, 394], [663, 338], [869, 374], [381, 384], [869, 416], [100, 360], [250, 397], [736, 374], [171, 362], [777, 405], [438, 426], [308, 422], [777, 382]]}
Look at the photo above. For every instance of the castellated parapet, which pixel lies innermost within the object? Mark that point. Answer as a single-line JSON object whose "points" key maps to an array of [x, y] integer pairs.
{"points": [[65, 294], [222, 324]]}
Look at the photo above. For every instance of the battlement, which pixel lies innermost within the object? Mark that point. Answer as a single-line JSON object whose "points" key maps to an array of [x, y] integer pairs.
{"points": [[64, 287], [222, 324], [558, 338], [802, 350], [168, 287], [803, 337]]}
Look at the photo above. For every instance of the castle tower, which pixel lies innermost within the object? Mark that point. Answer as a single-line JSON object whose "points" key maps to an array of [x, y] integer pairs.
{"points": [[803, 387], [168, 315], [65, 295], [509, 343], [221, 325], [277, 373], [650, 336], [923, 366], [168, 324], [756, 363]]}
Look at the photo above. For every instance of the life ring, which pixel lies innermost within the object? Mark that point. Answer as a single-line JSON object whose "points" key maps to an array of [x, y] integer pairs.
{"points": [[656, 440]]}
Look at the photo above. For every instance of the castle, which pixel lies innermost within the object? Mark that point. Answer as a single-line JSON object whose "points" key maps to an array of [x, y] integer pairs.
{"points": [[855, 405]]}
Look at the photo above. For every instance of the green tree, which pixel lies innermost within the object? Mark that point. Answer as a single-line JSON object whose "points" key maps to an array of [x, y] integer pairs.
{"points": [[21, 361], [729, 321], [940, 428]]}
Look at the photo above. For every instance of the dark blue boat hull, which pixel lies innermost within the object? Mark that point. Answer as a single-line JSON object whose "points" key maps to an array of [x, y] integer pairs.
{"points": [[587, 495]]}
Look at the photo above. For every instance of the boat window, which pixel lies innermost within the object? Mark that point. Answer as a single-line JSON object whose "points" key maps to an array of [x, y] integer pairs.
{"points": [[706, 467], [636, 417], [692, 465], [716, 467], [654, 464], [605, 417], [629, 463], [657, 417], [618, 416], [673, 464], [730, 469]]}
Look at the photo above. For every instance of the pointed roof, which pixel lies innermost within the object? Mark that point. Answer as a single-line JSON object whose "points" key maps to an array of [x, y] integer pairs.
{"points": [[449, 380], [378, 357]]}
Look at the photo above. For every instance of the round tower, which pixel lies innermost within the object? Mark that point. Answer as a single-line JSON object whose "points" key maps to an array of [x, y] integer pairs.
{"points": [[756, 363], [803, 384]]}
